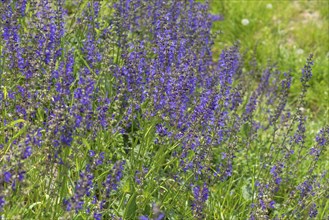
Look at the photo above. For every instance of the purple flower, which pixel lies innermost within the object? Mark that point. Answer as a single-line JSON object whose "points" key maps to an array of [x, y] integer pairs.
{"points": [[7, 176], [67, 204], [100, 159], [307, 71], [200, 197], [97, 216], [262, 204], [2, 203], [322, 137], [278, 180], [160, 216], [92, 153], [313, 212], [21, 175], [216, 17], [114, 178], [27, 152], [79, 206]]}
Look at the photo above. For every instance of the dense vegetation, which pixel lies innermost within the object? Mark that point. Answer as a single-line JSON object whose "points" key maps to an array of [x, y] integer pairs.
{"points": [[131, 109]]}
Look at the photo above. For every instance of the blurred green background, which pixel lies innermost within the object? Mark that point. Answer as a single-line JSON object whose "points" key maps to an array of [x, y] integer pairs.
{"points": [[283, 33]]}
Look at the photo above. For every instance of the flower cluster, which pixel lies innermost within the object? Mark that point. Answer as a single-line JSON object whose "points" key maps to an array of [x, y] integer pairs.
{"points": [[111, 108]]}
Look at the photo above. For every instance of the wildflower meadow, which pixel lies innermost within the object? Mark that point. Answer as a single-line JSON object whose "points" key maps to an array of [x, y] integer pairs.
{"points": [[160, 109]]}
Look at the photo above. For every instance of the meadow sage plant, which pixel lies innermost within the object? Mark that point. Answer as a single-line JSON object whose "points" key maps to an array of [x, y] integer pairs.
{"points": [[118, 110]]}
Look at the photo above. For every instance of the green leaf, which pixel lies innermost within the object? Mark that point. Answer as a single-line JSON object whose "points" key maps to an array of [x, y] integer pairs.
{"points": [[34, 204], [85, 142], [246, 192], [11, 124], [19, 133], [5, 92], [246, 129], [131, 207]]}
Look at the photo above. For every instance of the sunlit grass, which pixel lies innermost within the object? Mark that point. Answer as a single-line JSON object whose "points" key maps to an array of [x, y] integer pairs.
{"points": [[283, 32]]}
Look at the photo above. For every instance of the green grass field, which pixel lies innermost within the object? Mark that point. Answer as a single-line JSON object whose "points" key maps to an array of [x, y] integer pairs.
{"points": [[284, 33]]}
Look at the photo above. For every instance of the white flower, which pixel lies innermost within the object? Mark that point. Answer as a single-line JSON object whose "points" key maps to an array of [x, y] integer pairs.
{"points": [[269, 6], [245, 22], [299, 51]]}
